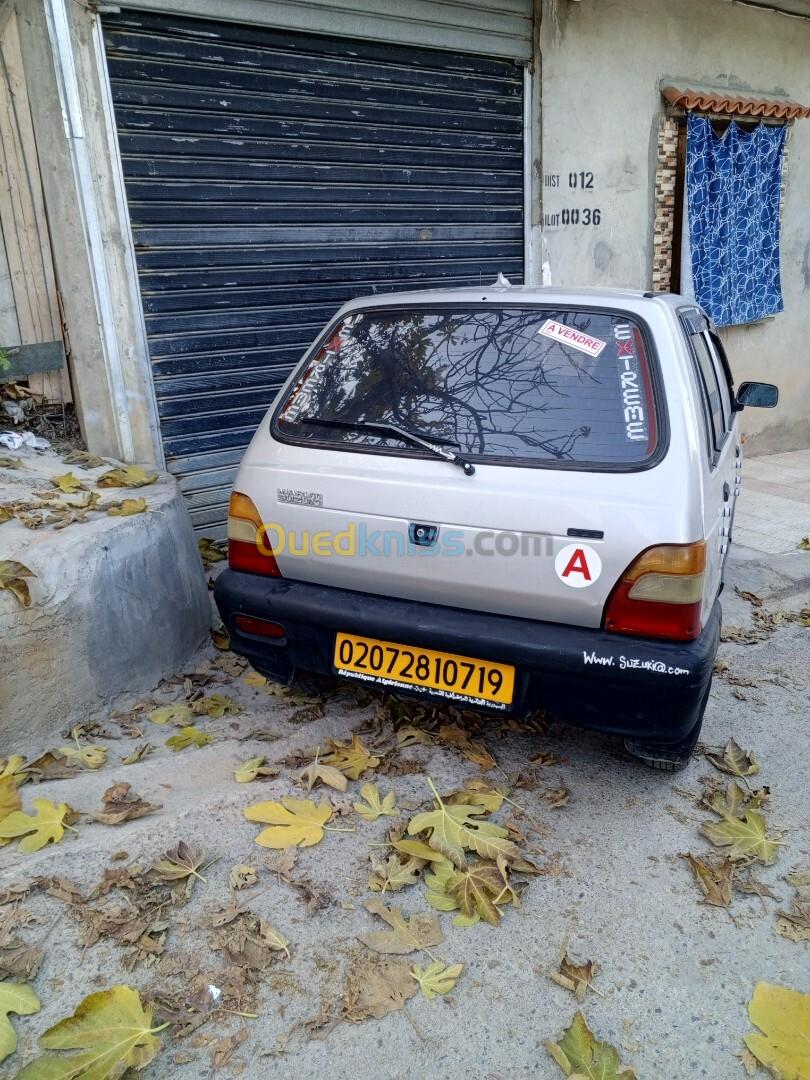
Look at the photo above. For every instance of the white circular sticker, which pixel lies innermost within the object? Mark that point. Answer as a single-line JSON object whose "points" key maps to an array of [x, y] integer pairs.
{"points": [[578, 565]]}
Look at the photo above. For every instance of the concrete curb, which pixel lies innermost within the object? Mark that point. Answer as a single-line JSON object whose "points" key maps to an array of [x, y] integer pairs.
{"points": [[118, 603], [773, 577]]}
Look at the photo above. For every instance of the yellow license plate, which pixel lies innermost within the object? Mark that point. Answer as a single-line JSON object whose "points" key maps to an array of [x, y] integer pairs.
{"points": [[446, 674]]}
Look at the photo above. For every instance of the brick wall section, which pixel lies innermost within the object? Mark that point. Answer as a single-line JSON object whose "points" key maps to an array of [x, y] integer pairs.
{"points": [[666, 168]]}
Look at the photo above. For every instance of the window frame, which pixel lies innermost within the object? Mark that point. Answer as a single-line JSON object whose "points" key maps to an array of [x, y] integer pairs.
{"points": [[696, 324], [722, 371], [484, 304]]}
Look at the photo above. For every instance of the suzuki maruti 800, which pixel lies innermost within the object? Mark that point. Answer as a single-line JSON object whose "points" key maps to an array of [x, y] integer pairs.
{"points": [[500, 498]]}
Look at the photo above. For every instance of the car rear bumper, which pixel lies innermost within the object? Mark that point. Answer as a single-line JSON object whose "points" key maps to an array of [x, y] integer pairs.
{"points": [[636, 687]]}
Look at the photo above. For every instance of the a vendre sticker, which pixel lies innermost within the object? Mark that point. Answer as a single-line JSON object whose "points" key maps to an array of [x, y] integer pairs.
{"points": [[578, 565], [567, 335]]}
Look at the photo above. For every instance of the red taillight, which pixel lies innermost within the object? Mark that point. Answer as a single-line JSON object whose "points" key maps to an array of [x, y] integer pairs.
{"points": [[660, 594], [248, 547], [249, 624]]}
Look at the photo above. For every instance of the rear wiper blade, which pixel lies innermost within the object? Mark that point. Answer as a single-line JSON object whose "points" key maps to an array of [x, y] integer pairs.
{"points": [[435, 446]]}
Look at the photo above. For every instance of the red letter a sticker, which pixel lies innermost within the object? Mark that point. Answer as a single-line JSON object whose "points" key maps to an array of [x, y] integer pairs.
{"points": [[577, 564]]}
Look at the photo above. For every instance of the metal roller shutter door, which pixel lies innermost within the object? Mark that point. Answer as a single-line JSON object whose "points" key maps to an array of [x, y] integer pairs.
{"points": [[272, 175]]}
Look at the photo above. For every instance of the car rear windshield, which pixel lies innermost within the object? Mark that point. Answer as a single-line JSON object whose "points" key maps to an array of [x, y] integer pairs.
{"points": [[523, 386]]}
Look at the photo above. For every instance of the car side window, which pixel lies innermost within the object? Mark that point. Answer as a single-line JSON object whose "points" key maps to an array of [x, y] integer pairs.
{"points": [[723, 373], [711, 389]]}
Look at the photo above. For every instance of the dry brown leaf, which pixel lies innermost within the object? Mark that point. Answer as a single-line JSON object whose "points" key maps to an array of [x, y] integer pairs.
{"points": [[307, 714], [13, 578], [121, 804], [138, 754], [714, 876], [556, 797], [456, 736], [421, 931], [181, 863], [745, 883], [247, 940], [242, 877], [353, 760], [479, 888], [225, 1047], [795, 924], [734, 760], [282, 862], [478, 793], [377, 986], [84, 459], [414, 736], [574, 977], [395, 873], [49, 766]]}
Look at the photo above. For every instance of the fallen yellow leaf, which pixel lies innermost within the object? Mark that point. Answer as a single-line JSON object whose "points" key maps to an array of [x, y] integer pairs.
{"points": [[126, 507], [783, 1015], [293, 822], [19, 999], [580, 1054], [112, 1030], [188, 736], [436, 978], [67, 482], [37, 829], [9, 801], [126, 476]]}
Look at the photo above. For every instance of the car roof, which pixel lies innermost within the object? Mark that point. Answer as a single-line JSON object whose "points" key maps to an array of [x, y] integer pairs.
{"points": [[505, 293]]}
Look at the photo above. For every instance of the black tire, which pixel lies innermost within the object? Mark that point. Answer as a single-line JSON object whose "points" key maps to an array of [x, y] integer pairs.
{"points": [[675, 757], [668, 765]]}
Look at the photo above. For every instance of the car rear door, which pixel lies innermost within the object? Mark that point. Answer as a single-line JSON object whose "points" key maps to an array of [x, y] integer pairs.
{"points": [[722, 457]]}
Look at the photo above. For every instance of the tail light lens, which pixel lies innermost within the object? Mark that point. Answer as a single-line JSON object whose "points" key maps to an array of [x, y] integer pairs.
{"points": [[248, 547], [660, 594]]}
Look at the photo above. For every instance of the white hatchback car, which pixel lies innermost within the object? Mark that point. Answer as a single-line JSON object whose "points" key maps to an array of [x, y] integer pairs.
{"points": [[502, 498]]}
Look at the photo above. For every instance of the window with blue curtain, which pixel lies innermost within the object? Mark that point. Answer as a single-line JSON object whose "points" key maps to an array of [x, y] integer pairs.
{"points": [[733, 187]]}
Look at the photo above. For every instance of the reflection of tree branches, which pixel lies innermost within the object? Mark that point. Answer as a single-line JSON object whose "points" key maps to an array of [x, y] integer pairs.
{"points": [[487, 380]]}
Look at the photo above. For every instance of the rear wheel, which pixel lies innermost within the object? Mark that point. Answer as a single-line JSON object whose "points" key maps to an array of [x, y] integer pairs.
{"points": [[676, 756]]}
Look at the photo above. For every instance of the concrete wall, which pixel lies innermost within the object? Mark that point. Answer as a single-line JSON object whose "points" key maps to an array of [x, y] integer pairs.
{"points": [[601, 65]]}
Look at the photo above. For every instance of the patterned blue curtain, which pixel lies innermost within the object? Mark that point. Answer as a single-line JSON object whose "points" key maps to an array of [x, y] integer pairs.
{"points": [[733, 190]]}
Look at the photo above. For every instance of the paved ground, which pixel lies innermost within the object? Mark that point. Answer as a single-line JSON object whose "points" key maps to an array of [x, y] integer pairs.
{"points": [[674, 974], [773, 512]]}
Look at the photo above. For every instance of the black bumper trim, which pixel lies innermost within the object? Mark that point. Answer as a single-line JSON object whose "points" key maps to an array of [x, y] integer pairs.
{"points": [[636, 687]]}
